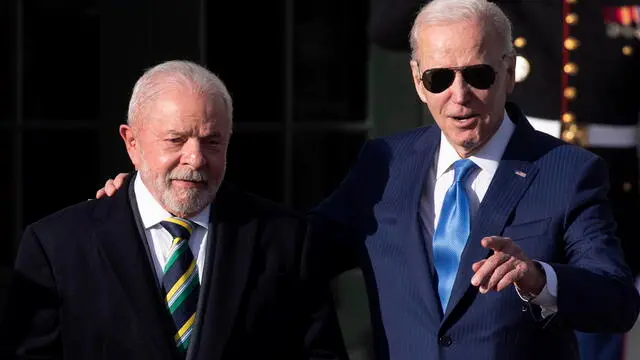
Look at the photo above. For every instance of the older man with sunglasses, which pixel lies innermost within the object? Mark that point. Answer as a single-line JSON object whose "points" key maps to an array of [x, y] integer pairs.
{"points": [[479, 238]]}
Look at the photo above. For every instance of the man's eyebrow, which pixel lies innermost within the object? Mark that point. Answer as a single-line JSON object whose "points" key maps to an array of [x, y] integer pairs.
{"points": [[214, 135], [175, 132]]}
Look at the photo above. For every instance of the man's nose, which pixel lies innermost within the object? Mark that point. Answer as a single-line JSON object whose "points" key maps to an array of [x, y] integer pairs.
{"points": [[460, 90], [192, 154]]}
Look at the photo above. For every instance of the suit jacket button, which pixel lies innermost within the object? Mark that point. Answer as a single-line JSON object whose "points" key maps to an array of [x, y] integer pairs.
{"points": [[445, 340]]}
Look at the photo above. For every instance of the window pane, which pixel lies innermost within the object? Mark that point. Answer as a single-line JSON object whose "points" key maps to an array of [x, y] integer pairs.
{"points": [[330, 65], [60, 168], [7, 61], [251, 65], [321, 161], [256, 164], [8, 200], [61, 61]]}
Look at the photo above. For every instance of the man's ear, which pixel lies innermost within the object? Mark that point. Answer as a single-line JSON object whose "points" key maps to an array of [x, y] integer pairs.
{"points": [[511, 72], [129, 136]]}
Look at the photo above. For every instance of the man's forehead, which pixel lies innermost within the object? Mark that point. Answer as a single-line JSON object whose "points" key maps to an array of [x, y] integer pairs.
{"points": [[204, 123], [441, 34], [461, 42], [183, 101]]}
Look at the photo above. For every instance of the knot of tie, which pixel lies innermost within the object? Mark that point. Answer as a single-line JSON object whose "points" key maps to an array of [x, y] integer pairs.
{"points": [[178, 227], [462, 169]]}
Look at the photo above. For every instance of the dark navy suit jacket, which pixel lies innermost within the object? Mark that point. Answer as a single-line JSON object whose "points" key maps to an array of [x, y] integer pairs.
{"points": [[84, 287], [558, 212]]}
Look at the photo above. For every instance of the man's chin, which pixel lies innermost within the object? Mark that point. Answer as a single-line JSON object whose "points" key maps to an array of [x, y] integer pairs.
{"points": [[470, 144], [188, 202], [466, 146], [466, 141]]}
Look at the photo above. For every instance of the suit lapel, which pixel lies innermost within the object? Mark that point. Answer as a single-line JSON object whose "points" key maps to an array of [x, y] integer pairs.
{"points": [[205, 286], [513, 176], [418, 242], [229, 257], [124, 252]]}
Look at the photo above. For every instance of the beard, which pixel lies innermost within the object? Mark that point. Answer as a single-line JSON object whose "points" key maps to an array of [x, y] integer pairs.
{"points": [[181, 202]]}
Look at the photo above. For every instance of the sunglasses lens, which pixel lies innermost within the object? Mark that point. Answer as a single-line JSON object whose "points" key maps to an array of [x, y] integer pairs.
{"points": [[479, 76], [438, 80]]}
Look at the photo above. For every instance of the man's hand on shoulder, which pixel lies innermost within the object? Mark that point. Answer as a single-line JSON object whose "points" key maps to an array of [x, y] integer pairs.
{"points": [[112, 185]]}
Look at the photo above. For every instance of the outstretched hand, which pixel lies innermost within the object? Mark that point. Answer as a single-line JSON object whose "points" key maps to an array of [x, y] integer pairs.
{"points": [[507, 265]]}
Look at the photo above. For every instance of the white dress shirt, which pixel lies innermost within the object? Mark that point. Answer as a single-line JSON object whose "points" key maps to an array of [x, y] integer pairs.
{"points": [[159, 239], [441, 176]]}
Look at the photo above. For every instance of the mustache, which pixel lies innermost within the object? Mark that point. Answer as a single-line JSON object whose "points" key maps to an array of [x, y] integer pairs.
{"points": [[187, 175]]}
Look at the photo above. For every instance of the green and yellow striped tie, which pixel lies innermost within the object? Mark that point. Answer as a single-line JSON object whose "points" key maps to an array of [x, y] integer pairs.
{"points": [[180, 281]]}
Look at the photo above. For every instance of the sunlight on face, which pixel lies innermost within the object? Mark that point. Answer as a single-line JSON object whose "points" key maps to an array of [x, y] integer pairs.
{"points": [[179, 200], [182, 142], [467, 116]]}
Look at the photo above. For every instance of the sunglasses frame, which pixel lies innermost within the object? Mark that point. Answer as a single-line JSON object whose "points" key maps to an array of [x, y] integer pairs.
{"points": [[461, 70]]}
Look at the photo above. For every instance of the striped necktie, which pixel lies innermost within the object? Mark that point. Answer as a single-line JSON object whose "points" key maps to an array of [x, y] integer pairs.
{"points": [[180, 281]]}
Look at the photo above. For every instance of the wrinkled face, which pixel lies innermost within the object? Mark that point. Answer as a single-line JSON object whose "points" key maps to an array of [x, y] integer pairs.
{"points": [[178, 143], [467, 116]]}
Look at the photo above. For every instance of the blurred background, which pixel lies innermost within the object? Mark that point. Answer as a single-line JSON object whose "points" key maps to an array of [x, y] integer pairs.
{"points": [[308, 84]]}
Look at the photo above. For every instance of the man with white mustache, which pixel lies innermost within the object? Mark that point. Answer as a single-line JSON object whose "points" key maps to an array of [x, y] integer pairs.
{"points": [[178, 265]]}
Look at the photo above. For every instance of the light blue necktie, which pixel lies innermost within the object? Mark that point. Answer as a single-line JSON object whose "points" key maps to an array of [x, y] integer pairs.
{"points": [[452, 230]]}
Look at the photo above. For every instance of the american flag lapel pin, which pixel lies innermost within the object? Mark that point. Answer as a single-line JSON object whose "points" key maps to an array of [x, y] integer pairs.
{"points": [[521, 174]]}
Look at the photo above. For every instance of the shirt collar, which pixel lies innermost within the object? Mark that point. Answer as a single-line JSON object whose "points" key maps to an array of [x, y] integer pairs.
{"points": [[152, 213], [487, 158]]}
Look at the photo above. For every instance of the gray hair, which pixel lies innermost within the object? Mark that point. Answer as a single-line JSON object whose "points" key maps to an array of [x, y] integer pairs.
{"points": [[452, 11], [177, 73]]}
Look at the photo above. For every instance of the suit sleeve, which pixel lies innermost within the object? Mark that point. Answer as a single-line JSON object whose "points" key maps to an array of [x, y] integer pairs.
{"points": [[346, 217], [31, 327], [322, 334], [596, 292]]}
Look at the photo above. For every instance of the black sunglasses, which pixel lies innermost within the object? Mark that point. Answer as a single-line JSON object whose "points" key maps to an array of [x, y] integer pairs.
{"points": [[438, 80]]}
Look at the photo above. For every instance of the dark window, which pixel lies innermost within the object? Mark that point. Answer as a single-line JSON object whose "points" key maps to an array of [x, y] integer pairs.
{"points": [[245, 47], [7, 197], [330, 64], [59, 169], [7, 63], [61, 61], [255, 163], [321, 160]]}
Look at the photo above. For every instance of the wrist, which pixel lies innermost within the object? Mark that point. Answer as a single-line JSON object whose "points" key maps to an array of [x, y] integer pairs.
{"points": [[536, 281]]}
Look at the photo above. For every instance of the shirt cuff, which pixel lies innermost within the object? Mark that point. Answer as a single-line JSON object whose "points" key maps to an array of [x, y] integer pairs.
{"points": [[547, 299]]}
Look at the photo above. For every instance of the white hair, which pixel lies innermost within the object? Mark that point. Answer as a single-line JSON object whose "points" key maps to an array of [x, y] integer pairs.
{"points": [[493, 19], [177, 73]]}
